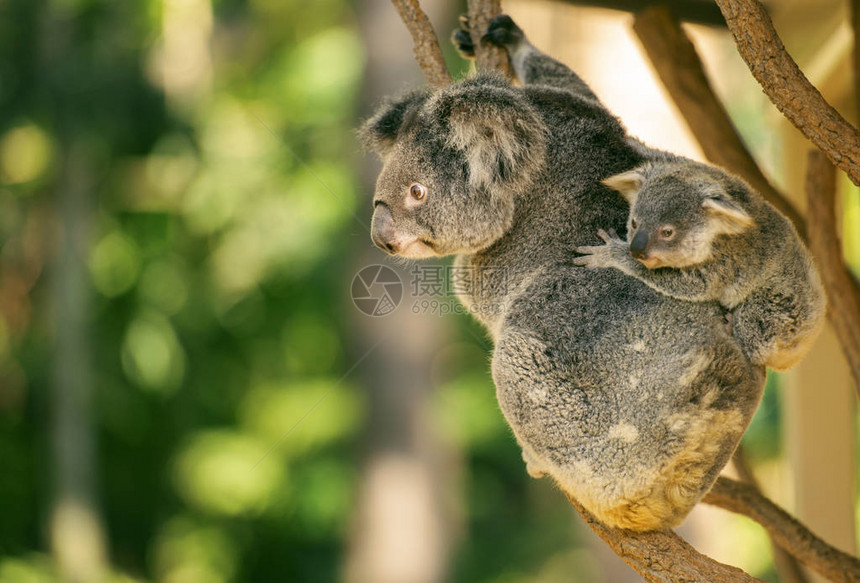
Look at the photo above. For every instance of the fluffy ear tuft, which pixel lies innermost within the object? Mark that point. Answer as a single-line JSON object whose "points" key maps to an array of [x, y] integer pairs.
{"points": [[380, 131], [499, 133], [731, 218], [627, 183]]}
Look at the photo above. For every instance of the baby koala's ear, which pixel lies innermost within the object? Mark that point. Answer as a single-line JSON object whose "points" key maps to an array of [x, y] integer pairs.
{"points": [[730, 218], [380, 131], [627, 183]]}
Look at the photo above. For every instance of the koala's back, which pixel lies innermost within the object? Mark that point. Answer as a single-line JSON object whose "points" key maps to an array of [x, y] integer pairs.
{"points": [[641, 399]]}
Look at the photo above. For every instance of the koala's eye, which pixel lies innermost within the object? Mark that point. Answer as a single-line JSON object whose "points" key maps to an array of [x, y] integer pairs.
{"points": [[417, 191], [667, 233], [633, 223]]}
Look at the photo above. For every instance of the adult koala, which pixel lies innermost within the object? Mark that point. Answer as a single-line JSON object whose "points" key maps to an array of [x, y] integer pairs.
{"points": [[630, 400]]}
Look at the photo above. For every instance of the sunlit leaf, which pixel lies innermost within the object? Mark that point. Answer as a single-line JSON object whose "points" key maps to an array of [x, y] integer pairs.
{"points": [[25, 154], [228, 473], [114, 264], [152, 355], [188, 552], [301, 417]]}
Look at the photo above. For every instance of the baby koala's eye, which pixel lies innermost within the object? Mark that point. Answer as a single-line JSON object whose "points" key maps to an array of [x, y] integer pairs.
{"points": [[667, 233], [417, 191], [633, 223]]}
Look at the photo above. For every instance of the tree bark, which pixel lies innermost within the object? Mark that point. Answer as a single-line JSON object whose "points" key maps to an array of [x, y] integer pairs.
{"points": [[788, 532], [428, 53], [787, 567], [844, 309], [662, 556], [487, 57], [788, 88]]}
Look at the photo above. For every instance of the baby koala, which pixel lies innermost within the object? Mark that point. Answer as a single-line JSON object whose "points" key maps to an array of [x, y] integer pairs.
{"points": [[697, 233]]}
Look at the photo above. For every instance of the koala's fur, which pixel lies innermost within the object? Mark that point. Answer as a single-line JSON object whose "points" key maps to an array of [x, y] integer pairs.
{"points": [[726, 244], [631, 400]]}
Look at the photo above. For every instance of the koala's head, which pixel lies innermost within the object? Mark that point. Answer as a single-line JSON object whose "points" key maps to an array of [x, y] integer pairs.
{"points": [[453, 164], [678, 209]]}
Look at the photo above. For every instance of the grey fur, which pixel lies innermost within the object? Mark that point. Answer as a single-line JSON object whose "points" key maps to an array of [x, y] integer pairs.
{"points": [[727, 245], [632, 401]]}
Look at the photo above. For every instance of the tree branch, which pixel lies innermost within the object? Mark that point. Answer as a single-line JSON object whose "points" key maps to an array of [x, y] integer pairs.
{"points": [[428, 53], [662, 556], [787, 567], [788, 88], [844, 309], [680, 69], [487, 57], [788, 533]]}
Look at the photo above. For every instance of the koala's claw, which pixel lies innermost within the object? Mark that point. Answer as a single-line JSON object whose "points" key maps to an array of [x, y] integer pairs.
{"points": [[462, 40], [607, 255], [503, 32]]}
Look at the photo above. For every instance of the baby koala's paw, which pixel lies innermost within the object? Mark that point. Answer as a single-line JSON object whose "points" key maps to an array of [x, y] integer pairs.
{"points": [[609, 255]]}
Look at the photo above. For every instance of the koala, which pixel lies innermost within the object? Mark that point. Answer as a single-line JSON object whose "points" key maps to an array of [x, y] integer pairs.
{"points": [[698, 234], [631, 400]]}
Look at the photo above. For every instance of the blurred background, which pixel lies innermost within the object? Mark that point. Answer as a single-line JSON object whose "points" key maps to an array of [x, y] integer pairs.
{"points": [[188, 393]]}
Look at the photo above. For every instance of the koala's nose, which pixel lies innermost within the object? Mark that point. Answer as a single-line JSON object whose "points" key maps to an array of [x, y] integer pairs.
{"points": [[382, 229], [639, 245]]}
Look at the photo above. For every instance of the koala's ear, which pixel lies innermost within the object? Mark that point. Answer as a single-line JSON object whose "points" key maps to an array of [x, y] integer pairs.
{"points": [[627, 183], [731, 219], [380, 131], [499, 133]]}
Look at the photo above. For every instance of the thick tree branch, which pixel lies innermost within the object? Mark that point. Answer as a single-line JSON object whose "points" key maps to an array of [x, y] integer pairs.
{"points": [[428, 53], [487, 57], [788, 88], [662, 556], [788, 533], [677, 63], [844, 309], [787, 567]]}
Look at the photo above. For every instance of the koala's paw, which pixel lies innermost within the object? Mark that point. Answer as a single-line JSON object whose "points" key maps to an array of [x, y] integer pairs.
{"points": [[533, 468], [503, 32], [609, 255], [462, 39]]}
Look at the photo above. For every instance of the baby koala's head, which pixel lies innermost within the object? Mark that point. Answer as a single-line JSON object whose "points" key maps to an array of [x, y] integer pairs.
{"points": [[678, 209]]}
